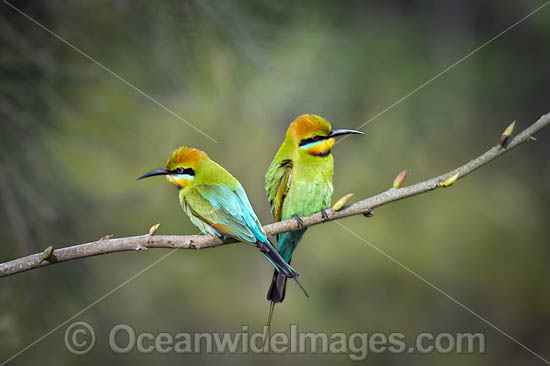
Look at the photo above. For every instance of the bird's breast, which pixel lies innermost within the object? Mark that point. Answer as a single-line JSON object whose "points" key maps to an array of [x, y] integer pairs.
{"points": [[310, 190]]}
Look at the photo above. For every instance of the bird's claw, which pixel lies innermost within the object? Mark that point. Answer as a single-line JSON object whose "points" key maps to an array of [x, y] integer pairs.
{"points": [[324, 214], [194, 245], [299, 221]]}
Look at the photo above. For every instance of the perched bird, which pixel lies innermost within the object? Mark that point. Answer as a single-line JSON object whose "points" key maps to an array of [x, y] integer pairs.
{"points": [[299, 182], [217, 204]]}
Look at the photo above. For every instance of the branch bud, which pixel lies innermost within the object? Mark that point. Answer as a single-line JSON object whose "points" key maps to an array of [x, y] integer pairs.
{"points": [[106, 237], [338, 205], [449, 181], [503, 139], [400, 179], [153, 229], [48, 252]]}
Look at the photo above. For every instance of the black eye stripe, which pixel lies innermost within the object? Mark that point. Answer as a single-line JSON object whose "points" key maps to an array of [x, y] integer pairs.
{"points": [[185, 171], [314, 138]]}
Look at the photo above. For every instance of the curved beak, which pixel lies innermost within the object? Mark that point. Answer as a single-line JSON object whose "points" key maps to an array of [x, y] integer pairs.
{"points": [[341, 132], [154, 172]]}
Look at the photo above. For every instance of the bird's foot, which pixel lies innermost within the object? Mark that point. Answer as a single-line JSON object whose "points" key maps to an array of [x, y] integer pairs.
{"points": [[194, 245], [299, 221], [369, 213], [324, 215]]}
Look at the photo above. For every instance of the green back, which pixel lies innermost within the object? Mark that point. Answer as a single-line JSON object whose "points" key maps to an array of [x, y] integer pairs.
{"points": [[217, 204]]}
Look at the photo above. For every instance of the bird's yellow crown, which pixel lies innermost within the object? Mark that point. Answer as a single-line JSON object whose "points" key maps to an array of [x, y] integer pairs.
{"points": [[184, 162], [308, 125], [186, 157], [310, 132]]}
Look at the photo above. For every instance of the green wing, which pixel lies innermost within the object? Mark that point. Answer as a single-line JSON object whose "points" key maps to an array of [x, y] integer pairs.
{"points": [[220, 210], [277, 184]]}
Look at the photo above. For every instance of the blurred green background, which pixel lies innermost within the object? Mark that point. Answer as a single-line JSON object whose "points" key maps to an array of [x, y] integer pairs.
{"points": [[74, 138]]}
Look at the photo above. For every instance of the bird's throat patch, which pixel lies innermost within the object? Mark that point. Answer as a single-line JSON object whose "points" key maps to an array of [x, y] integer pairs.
{"points": [[319, 148]]}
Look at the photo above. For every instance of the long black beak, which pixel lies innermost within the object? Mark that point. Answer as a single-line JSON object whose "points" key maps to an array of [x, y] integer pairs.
{"points": [[341, 132], [155, 172]]}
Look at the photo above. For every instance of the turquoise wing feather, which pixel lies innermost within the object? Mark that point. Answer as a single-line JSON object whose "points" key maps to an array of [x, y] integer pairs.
{"points": [[226, 210], [220, 210]]}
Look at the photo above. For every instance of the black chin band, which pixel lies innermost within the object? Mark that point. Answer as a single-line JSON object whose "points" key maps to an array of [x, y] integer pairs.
{"points": [[322, 154]]}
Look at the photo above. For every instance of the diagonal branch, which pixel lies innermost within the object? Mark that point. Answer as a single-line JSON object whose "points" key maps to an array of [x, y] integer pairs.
{"points": [[207, 241]]}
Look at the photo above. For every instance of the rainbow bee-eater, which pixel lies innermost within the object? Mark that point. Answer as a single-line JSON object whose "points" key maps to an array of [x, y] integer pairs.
{"points": [[299, 183], [217, 204]]}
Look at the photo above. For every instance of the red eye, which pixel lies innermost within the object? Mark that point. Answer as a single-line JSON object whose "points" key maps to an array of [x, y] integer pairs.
{"points": [[315, 138], [179, 170]]}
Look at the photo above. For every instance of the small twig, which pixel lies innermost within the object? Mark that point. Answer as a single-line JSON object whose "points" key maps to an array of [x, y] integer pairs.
{"points": [[207, 241]]}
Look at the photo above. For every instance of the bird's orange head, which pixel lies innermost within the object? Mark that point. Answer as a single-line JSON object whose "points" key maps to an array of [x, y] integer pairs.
{"points": [[181, 167], [314, 135]]}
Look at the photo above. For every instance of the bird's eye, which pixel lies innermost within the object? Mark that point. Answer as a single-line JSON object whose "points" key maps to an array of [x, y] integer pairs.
{"points": [[311, 140], [179, 170]]}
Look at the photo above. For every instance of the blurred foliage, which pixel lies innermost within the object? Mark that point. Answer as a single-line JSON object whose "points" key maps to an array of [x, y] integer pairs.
{"points": [[74, 138]]}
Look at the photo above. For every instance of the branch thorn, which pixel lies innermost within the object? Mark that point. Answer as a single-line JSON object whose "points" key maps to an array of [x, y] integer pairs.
{"points": [[369, 213]]}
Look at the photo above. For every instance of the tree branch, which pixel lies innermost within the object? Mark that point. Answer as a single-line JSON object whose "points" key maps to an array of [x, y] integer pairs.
{"points": [[207, 241]]}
